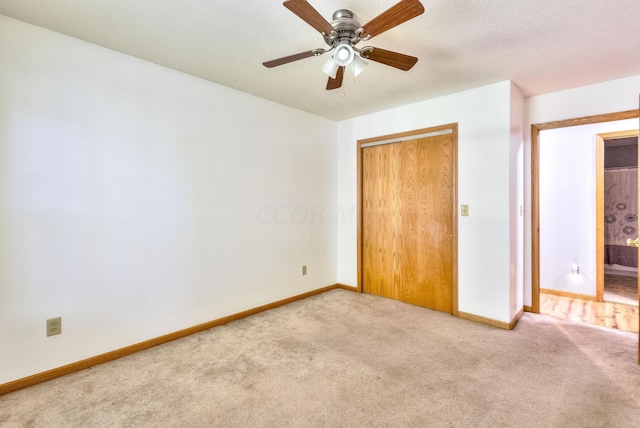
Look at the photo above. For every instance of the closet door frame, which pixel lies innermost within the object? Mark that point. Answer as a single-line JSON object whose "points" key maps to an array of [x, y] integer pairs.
{"points": [[407, 135]]}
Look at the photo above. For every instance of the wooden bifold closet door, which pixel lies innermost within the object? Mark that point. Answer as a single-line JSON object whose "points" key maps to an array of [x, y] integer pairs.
{"points": [[408, 209]]}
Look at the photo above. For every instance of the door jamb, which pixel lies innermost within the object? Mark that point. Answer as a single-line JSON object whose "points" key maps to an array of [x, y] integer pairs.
{"points": [[535, 187]]}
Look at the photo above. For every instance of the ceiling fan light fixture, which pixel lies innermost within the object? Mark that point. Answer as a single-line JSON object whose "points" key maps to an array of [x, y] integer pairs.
{"points": [[330, 68], [343, 34], [358, 65], [343, 54]]}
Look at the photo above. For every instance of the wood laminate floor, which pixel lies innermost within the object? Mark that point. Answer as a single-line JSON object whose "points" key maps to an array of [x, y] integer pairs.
{"points": [[604, 314]]}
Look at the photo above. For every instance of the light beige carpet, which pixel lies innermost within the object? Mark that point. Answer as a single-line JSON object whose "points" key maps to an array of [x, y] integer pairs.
{"points": [[342, 359]]}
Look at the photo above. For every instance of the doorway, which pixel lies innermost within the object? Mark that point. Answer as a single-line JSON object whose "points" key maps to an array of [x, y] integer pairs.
{"points": [[407, 229], [618, 168], [535, 187], [585, 302]]}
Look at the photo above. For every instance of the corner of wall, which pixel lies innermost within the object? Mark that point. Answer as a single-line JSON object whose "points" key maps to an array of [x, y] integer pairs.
{"points": [[516, 201]]}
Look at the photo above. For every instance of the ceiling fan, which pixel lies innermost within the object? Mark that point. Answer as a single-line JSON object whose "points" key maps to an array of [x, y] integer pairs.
{"points": [[344, 33]]}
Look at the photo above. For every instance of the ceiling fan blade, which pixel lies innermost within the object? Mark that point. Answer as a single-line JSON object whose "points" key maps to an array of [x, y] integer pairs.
{"points": [[395, 15], [337, 82], [308, 14], [288, 59], [392, 59]]}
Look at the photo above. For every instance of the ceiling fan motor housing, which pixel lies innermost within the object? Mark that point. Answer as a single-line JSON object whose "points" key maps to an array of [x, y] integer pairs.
{"points": [[346, 28]]}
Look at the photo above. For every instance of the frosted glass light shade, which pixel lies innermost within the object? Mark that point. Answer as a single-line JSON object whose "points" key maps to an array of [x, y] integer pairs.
{"points": [[358, 65], [343, 55], [330, 68]]}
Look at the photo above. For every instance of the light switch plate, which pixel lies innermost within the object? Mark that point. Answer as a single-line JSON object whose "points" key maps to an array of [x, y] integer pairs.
{"points": [[464, 210]]}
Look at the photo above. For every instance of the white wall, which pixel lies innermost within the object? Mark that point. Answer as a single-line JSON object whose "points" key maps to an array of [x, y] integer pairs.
{"points": [[485, 148], [568, 205], [516, 204], [136, 201], [607, 97]]}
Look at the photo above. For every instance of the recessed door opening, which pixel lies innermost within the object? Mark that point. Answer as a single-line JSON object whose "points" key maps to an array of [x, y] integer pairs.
{"points": [[569, 222]]}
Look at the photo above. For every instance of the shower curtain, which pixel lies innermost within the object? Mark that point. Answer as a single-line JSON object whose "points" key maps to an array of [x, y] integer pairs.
{"points": [[620, 216]]}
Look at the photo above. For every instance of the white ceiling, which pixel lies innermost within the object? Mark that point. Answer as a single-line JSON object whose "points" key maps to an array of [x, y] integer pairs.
{"points": [[542, 45]]}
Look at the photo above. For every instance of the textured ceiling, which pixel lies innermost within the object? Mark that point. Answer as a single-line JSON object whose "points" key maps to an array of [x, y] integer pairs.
{"points": [[542, 45]]}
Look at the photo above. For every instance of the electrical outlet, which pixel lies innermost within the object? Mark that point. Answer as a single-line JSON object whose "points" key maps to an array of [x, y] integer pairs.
{"points": [[304, 270], [54, 326]]}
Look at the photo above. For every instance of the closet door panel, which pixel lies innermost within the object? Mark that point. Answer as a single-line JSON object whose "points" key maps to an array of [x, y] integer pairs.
{"points": [[381, 221], [428, 226]]}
